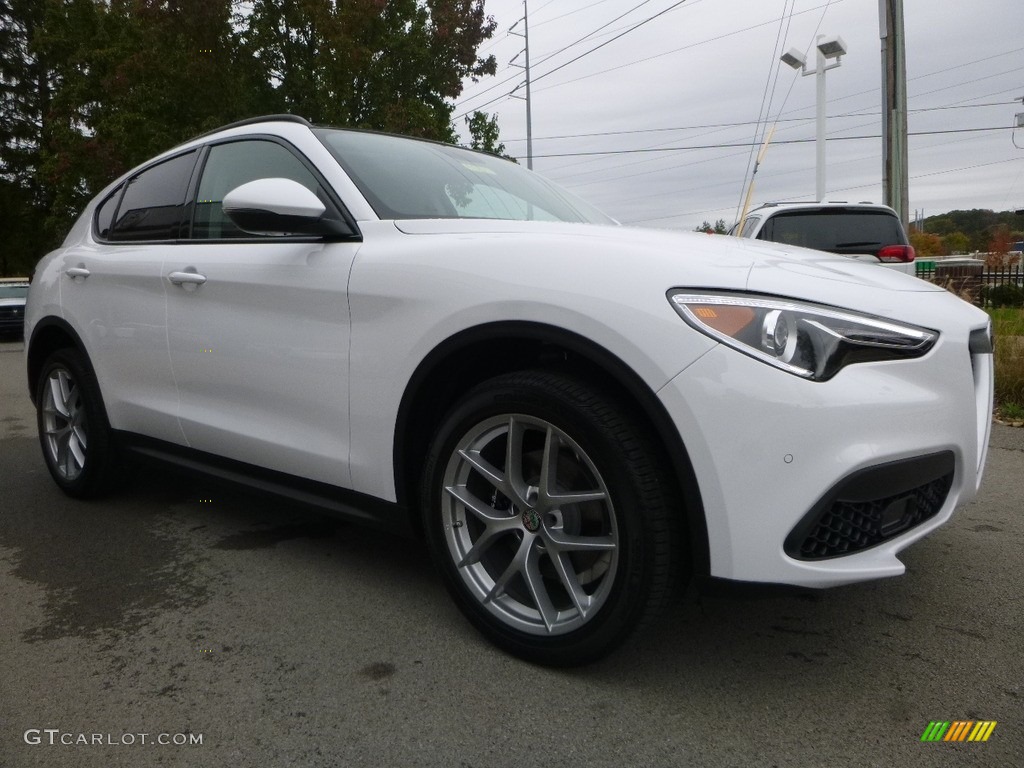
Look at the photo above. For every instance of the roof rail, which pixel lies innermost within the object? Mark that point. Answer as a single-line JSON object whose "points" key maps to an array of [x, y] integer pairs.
{"points": [[282, 118]]}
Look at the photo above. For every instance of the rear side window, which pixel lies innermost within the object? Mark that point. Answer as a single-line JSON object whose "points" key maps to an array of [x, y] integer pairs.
{"points": [[153, 203], [842, 231], [229, 166]]}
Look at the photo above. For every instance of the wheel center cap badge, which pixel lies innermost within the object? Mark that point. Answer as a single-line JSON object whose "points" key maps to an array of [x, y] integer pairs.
{"points": [[531, 520]]}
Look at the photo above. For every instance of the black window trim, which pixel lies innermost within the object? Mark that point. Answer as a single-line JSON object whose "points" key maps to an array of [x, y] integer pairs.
{"points": [[123, 187], [192, 189], [118, 192]]}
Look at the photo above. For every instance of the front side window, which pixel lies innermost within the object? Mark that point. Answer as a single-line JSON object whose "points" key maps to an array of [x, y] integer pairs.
{"points": [[153, 203], [410, 179], [229, 166]]}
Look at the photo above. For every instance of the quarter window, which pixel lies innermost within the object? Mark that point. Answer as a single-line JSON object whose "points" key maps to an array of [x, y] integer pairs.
{"points": [[229, 166], [749, 225], [154, 201]]}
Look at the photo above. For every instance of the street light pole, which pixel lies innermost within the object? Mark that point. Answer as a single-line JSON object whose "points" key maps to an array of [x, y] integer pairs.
{"points": [[827, 48], [819, 187]]}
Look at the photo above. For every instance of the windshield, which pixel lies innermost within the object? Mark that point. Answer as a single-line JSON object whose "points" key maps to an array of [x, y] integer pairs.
{"points": [[13, 291], [409, 179]]}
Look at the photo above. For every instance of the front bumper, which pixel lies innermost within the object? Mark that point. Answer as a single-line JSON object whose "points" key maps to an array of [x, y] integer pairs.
{"points": [[769, 449]]}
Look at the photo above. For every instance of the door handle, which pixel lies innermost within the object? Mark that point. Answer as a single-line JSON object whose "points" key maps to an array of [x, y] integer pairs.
{"points": [[186, 278], [74, 272]]}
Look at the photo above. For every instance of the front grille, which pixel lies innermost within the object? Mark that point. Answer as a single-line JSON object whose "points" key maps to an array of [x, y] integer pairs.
{"points": [[872, 506]]}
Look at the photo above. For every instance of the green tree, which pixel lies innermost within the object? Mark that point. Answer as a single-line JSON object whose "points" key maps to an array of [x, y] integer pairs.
{"points": [[957, 242], [483, 133], [136, 77], [90, 88], [26, 88], [393, 65], [719, 227]]}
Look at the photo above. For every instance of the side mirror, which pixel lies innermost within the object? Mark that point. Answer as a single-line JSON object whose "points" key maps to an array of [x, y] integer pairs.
{"points": [[280, 207]]}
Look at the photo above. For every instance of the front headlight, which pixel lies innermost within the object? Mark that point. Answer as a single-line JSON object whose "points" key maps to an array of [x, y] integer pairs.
{"points": [[807, 340]]}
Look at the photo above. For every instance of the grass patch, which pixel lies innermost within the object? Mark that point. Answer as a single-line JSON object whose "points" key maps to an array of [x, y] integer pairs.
{"points": [[1008, 334]]}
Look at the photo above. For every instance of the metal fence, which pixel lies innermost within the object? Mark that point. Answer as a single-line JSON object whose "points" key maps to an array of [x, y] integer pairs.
{"points": [[980, 285], [990, 277]]}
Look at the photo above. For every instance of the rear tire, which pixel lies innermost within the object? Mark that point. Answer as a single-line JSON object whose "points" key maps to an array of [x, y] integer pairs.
{"points": [[73, 429], [550, 517]]}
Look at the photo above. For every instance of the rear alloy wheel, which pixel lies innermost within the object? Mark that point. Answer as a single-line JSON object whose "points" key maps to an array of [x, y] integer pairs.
{"points": [[73, 427], [545, 513]]}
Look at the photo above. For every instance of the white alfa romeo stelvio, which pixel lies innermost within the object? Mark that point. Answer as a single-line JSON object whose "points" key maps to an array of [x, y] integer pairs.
{"points": [[575, 417]]}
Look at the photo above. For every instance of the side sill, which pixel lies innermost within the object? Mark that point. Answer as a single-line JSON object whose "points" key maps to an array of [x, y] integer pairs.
{"points": [[333, 500]]}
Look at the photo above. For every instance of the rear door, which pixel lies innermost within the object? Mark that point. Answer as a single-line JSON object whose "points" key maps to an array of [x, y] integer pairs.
{"points": [[113, 295]]}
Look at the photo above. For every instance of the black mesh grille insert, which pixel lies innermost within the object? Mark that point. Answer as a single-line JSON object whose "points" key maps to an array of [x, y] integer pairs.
{"points": [[871, 507]]}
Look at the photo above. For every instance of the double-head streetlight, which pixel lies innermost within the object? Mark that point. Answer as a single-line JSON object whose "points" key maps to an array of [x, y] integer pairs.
{"points": [[827, 48]]}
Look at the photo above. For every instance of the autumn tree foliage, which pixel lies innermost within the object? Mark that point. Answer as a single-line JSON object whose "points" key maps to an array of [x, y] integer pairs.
{"points": [[90, 88], [999, 249], [926, 244]]}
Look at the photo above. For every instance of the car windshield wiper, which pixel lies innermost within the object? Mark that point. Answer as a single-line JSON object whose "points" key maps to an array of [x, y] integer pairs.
{"points": [[857, 245]]}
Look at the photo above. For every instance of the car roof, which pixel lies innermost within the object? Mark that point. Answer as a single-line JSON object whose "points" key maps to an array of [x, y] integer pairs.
{"points": [[767, 208]]}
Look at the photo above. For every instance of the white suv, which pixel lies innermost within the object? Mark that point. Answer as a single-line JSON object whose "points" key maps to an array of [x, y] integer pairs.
{"points": [[861, 231], [571, 415]]}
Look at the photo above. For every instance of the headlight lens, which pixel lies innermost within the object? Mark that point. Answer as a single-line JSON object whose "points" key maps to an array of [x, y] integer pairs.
{"points": [[807, 340]]}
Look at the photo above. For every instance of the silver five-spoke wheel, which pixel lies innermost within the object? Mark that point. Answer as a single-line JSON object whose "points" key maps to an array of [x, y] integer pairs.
{"points": [[529, 524]]}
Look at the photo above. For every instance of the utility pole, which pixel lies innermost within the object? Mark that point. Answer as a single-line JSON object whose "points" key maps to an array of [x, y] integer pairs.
{"points": [[894, 107], [526, 68]]}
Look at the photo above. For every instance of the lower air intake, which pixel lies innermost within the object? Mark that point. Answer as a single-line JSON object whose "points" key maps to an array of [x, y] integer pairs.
{"points": [[873, 506]]}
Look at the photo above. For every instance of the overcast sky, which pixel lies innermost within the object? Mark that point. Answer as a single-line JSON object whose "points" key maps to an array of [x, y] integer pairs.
{"points": [[696, 75]]}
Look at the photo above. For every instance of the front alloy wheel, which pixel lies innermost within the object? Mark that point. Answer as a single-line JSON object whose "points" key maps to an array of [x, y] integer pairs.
{"points": [[530, 524], [550, 517]]}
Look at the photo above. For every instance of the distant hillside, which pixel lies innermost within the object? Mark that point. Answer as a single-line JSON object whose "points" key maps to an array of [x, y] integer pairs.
{"points": [[979, 226]]}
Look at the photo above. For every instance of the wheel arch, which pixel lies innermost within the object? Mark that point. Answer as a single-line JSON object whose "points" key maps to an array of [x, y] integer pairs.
{"points": [[482, 352], [49, 335]]}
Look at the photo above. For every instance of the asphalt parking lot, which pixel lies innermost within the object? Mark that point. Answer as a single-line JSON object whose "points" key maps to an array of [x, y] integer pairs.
{"points": [[187, 611]]}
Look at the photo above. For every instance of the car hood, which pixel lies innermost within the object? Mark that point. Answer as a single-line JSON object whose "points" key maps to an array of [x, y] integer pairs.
{"points": [[688, 259]]}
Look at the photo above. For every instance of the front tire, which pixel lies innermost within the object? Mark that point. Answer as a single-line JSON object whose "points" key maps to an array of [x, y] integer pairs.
{"points": [[549, 515], [73, 429]]}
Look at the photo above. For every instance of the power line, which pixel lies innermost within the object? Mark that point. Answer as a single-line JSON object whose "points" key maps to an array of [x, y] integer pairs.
{"points": [[565, 48], [844, 189], [747, 143], [742, 123], [611, 40], [685, 47]]}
